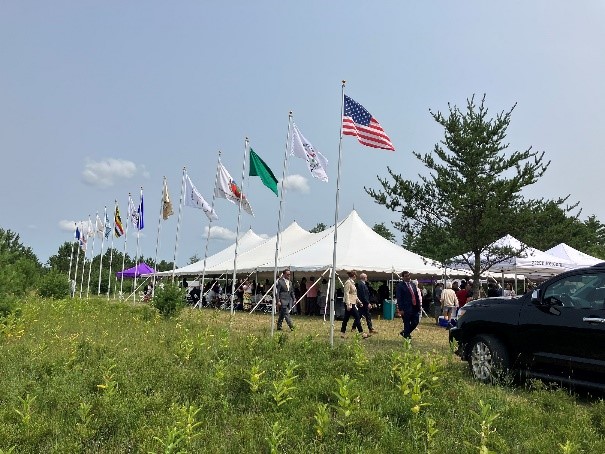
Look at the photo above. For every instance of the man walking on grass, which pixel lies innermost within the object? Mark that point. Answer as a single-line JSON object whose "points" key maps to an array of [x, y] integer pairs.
{"points": [[408, 304], [363, 294], [285, 299]]}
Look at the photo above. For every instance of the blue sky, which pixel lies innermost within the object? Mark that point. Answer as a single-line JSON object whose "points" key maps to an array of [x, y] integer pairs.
{"points": [[100, 98]]}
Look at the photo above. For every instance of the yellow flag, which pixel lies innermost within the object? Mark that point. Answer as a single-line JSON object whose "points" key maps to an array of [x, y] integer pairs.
{"points": [[166, 203]]}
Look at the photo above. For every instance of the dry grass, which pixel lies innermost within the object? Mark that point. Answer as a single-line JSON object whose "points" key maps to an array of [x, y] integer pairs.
{"points": [[428, 337]]}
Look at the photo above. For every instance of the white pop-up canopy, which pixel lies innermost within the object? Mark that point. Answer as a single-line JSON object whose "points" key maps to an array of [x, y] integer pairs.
{"points": [[578, 258], [529, 261], [358, 248]]}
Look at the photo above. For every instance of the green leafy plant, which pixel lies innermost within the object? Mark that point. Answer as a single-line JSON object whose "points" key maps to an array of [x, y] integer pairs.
{"points": [[346, 401], [276, 437], [322, 420], [12, 326], [284, 385], [54, 285], [486, 417], [25, 411], [169, 300], [84, 419], [172, 441], [109, 385], [256, 377]]}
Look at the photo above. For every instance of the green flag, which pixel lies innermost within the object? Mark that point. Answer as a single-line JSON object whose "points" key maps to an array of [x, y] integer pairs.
{"points": [[258, 168]]}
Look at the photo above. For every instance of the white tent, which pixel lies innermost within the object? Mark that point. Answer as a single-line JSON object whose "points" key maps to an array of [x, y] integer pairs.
{"points": [[579, 259], [531, 262], [262, 257], [358, 247], [247, 241]]}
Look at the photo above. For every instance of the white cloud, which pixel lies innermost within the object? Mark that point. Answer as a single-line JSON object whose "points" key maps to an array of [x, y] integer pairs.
{"points": [[220, 233], [107, 172], [67, 226], [296, 183]]}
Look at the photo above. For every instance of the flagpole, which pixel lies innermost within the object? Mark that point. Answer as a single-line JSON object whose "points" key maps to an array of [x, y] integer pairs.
{"points": [[279, 220], [77, 263], [102, 249], [333, 276], [136, 266], [113, 234], [71, 257], [128, 221], [218, 163], [92, 256], [85, 254], [157, 240], [239, 214], [178, 224]]}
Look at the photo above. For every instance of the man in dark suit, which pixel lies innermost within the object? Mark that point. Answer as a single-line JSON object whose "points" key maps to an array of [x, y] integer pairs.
{"points": [[408, 304], [285, 299]]}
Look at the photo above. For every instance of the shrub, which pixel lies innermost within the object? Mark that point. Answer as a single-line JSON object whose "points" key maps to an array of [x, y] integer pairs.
{"points": [[8, 304], [54, 285], [169, 300]]}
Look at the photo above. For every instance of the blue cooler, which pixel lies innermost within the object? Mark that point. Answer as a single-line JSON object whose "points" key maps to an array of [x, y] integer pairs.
{"points": [[388, 309]]}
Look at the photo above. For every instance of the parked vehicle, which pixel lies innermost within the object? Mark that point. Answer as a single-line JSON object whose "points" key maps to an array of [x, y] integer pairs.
{"points": [[556, 333]]}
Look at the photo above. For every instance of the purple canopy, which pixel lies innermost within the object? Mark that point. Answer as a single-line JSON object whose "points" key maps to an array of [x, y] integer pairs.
{"points": [[141, 268]]}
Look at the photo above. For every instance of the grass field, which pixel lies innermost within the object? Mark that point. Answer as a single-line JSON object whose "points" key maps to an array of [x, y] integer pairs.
{"points": [[108, 377]]}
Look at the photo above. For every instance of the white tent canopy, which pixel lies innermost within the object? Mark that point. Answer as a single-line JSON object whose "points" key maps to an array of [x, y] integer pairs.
{"points": [[531, 261], [578, 259], [246, 242], [358, 247], [262, 257]]}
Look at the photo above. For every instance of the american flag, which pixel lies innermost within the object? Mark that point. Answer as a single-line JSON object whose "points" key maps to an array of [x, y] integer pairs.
{"points": [[357, 121]]}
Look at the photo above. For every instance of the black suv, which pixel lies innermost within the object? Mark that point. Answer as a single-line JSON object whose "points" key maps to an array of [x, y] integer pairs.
{"points": [[556, 333]]}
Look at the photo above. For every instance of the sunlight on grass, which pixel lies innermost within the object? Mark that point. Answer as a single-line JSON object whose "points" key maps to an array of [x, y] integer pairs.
{"points": [[96, 376]]}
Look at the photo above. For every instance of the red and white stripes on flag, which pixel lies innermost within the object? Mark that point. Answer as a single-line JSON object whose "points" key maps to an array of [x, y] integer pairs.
{"points": [[358, 122]]}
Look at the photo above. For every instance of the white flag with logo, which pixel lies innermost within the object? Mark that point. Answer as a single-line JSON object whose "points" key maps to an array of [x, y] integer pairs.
{"points": [[194, 199], [227, 189], [100, 227], [303, 149]]}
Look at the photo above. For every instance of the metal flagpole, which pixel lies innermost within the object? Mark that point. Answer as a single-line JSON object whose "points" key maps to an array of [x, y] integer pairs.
{"points": [[178, 223], [113, 234], [128, 221], [157, 240], [71, 257], [102, 249], [239, 215], [85, 254], [77, 263], [279, 219], [218, 163], [333, 276], [136, 266], [92, 255]]}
